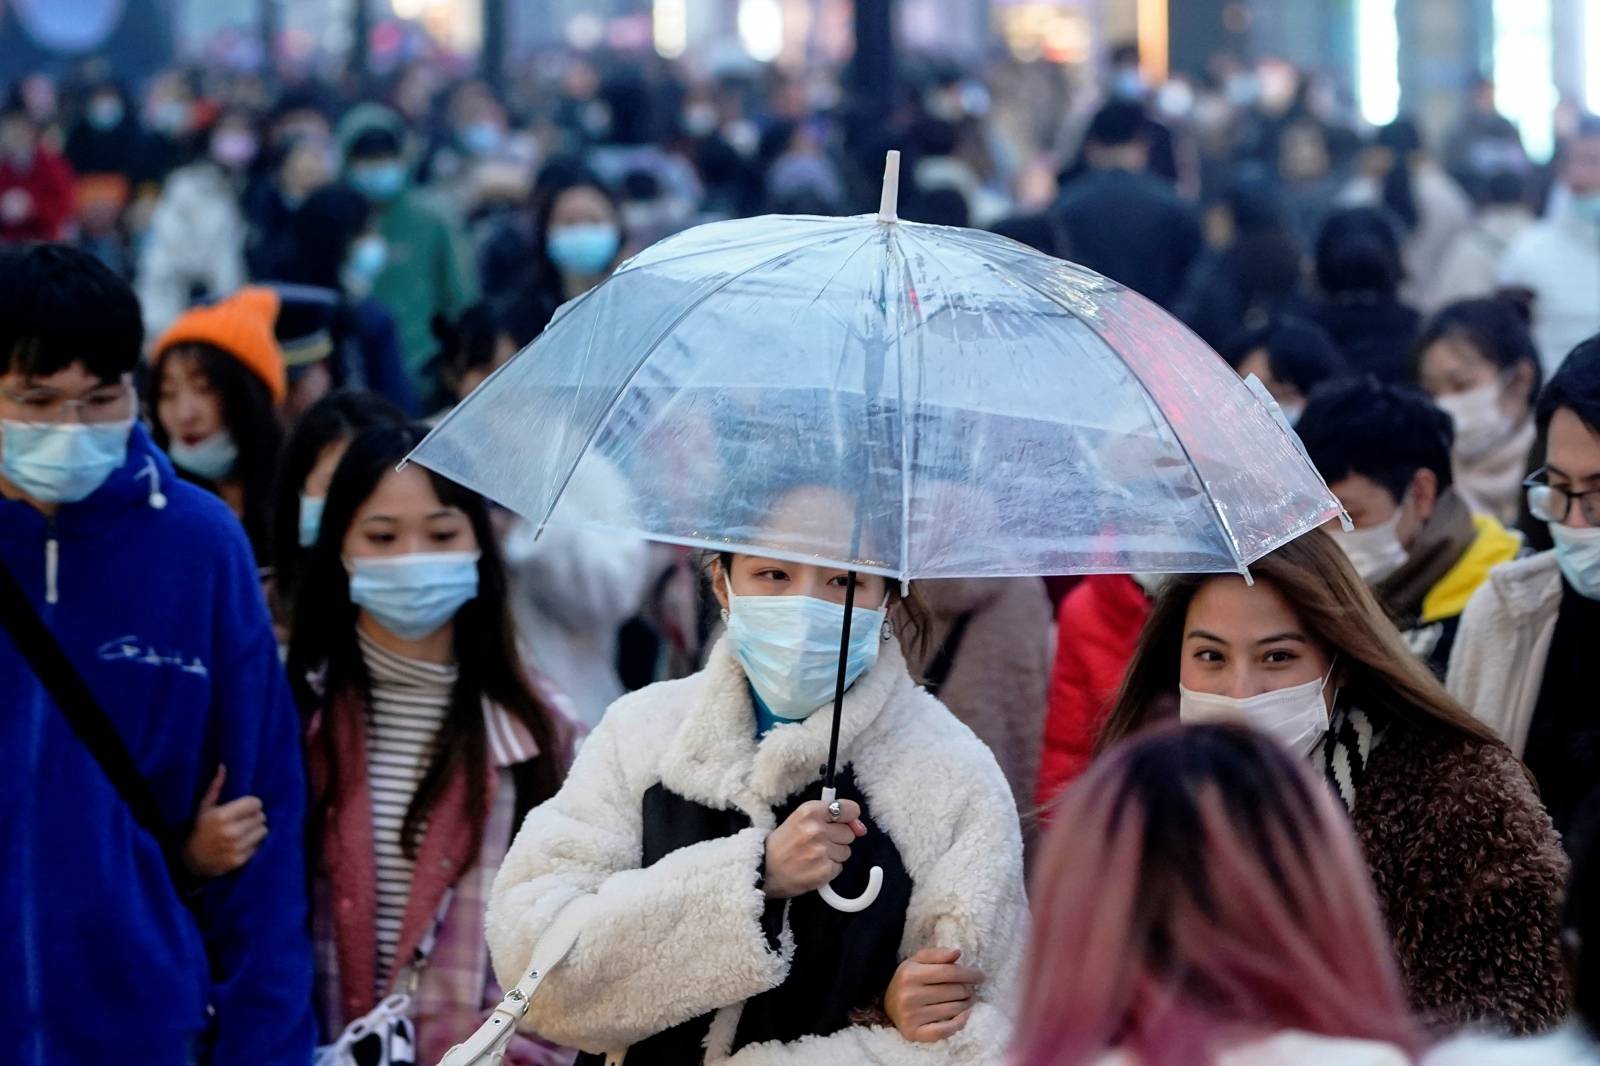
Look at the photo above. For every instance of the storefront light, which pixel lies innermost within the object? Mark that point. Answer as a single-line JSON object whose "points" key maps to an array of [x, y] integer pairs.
{"points": [[761, 29], [1524, 78], [670, 28], [1377, 61]]}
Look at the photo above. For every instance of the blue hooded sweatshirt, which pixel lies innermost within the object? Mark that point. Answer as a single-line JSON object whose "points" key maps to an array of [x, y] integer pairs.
{"points": [[150, 588]]}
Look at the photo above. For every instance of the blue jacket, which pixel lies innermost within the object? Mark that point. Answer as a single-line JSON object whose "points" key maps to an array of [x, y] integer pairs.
{"points": [[154, 598]]}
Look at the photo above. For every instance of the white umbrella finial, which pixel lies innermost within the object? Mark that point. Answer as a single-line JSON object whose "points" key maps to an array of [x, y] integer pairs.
{"points": [[889, 206]]}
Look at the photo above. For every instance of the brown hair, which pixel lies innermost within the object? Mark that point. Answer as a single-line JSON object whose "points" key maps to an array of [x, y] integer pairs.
{"points": [[1381, 675]]}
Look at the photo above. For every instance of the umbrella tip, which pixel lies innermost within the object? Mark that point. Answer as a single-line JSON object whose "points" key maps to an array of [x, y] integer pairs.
{"points": [[889, 206]]}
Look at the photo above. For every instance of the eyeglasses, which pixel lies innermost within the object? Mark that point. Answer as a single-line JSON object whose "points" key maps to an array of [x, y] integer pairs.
{"points": [[1550, 503], [110, 403]]}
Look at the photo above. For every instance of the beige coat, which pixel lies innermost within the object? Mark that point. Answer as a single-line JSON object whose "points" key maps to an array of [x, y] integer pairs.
{"points": [[1503, 645]]}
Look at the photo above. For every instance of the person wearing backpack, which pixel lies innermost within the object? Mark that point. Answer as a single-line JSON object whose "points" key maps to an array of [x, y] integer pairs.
{"points": [[136, 662]]}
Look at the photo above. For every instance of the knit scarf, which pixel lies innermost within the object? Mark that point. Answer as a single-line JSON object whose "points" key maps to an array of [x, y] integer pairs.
{"points": [[1345, 753]]}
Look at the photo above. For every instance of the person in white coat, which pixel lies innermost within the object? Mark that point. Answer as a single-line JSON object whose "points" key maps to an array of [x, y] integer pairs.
{"points": [[690, 818], [572, 590], [197, 232], [1524, 655], [1558, 258]]}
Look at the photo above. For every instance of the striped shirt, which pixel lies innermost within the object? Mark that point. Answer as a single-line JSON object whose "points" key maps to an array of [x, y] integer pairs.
{"points": [[410, 700]]}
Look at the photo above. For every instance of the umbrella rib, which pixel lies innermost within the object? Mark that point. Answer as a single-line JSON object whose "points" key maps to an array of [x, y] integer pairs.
{"points": [[1227, 530], [644, 357]]}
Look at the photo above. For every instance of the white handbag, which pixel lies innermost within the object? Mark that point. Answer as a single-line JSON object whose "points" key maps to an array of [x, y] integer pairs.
{"points": [[487, 1046]]}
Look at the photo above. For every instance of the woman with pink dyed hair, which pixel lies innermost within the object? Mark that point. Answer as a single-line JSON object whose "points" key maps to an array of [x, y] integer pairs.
{"points": [[1201, 902]]}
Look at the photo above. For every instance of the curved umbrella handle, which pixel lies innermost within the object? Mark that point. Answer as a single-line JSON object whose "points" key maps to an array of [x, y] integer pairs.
{"points": [[874, 879]]}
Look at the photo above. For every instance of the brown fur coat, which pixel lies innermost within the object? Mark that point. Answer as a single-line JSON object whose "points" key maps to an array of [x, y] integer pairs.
{"points": [[1470, 874]]}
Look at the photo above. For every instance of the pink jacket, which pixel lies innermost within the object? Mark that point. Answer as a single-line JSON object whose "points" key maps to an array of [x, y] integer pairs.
{"points": [[449, 889]]}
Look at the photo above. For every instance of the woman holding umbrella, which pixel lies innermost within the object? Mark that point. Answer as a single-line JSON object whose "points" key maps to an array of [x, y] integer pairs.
{"points": [[688, 817]]}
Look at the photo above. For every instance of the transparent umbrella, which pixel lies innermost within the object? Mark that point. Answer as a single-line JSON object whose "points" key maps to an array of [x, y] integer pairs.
{"points": [[989, 410]]}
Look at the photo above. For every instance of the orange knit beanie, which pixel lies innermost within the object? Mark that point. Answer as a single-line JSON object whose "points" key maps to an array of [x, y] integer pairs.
{"points": [[242, 326]]}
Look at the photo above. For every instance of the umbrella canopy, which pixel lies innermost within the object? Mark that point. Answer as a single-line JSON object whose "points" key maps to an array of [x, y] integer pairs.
{"points": [[989, 410]]}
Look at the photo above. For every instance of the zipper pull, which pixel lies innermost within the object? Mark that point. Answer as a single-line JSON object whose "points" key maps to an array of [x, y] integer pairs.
{"points": [[52, 563]]}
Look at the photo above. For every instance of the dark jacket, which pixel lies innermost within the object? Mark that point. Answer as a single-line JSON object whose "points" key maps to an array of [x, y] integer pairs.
{"points": [[1470, 875], [1375, 337], [1133, 229]]}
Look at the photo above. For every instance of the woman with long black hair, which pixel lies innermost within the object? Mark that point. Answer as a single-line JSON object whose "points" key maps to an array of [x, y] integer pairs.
{"points": [[426, 744]]}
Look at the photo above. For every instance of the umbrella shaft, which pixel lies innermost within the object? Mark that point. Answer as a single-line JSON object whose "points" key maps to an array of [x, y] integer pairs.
{"points": [[844, 662]]}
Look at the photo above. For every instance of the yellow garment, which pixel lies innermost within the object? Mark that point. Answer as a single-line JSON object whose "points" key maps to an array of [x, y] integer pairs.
{"points": [[1493, 545]]}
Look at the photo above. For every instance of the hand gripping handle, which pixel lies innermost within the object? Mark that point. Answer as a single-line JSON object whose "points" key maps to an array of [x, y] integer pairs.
{"points": [[874, 879]]}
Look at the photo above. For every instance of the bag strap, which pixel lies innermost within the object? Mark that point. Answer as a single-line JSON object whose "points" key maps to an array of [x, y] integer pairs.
{"points": [[489, 1042], [88, 720]]}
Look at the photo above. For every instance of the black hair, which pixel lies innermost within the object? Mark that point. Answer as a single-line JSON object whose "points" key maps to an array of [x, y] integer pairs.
{"points": [[1576, 387], [1126, 52], [1403, 139], [469, 342], [1495, 328], [524, 315], [1382, 432], [561, 182], [375, 143], [1299, 352], [323, 229], [1117, 123], [1358, 254], [251, 419], [334, 417], [1580, 921], [939, 207], [60, 306], [1038, 232], [1503, 186], [323, 644]]}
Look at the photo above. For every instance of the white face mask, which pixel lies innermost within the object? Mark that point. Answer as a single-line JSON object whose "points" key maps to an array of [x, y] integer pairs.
{"points": [[1297, 717], [789, 648], [1578, 552], [211, 459], [1481, 424], [1375, 552]]}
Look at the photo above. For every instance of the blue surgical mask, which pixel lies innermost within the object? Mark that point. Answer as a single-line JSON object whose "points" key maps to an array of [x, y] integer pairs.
{"points": [[212, 459], [1587, 207], [789, 648], [310, 519], [368, 257], [1578, 552], [379, 182], [414, 595], [482, 138], [62, 462], [584, 250]]}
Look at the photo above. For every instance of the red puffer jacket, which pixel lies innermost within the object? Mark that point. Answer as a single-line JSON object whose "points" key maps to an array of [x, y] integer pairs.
{"points": [[1099, 626]]}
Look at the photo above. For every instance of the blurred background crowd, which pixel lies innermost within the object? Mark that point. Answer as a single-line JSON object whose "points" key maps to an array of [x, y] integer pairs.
{"points": [[338, 216]]}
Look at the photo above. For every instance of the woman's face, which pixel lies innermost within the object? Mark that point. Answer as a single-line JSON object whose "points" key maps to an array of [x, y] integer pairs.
{"points": [[404, 516], [582, 206], [1451, 366], [801, 515], [188, 407], [1259, 364], [1243, 640], [321, 475]]}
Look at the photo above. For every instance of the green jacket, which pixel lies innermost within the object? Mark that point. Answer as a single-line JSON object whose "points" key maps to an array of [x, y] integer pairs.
{"points": [[429, 273]]}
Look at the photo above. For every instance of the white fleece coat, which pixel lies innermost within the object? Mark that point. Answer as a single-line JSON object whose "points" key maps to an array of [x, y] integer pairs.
{"points": [[683, 938], [1503, 646]]}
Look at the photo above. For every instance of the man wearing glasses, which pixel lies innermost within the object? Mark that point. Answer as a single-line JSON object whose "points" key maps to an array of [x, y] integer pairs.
{"points": [[136, 662], [1525, 657]]}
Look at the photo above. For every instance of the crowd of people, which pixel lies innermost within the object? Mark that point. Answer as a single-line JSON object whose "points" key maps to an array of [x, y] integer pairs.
{"points": [[309, 748]]}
